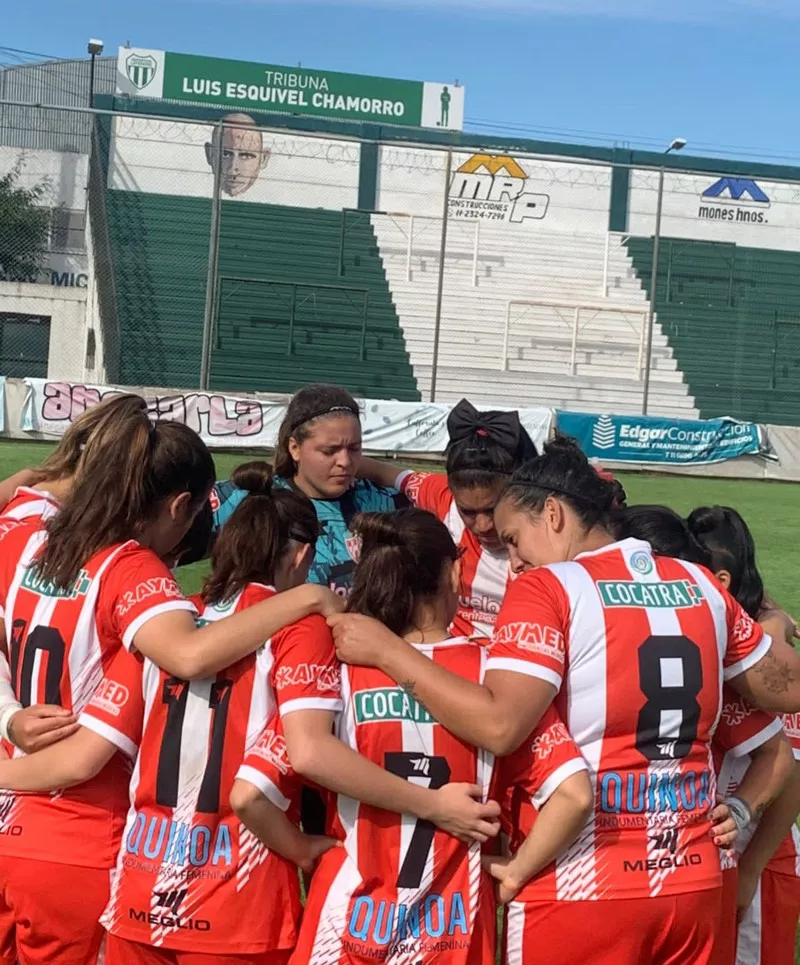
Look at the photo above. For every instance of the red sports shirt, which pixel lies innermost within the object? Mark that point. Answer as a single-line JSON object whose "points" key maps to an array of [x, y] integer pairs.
{"points": [[485, 574], [786, 860], [641, 644], [399, 890], [742, 729], [29, 504], [60, 645], [190, 876]]}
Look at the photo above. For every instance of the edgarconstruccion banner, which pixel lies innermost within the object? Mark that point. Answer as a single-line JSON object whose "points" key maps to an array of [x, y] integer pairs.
{"points": [[288, 90]]}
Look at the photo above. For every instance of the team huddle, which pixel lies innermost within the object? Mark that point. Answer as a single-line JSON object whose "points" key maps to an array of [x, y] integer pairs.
{"points": [[400, 700]]}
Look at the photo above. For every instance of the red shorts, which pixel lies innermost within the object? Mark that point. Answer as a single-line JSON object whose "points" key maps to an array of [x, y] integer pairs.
{"points": [[55, 910], [768, 930], [119, 951], [674, 930], [725, 939], [8, 938]]}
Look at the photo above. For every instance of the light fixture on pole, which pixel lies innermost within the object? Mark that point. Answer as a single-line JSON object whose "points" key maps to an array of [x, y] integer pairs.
{"points": [[94, 48], [678, 144]]}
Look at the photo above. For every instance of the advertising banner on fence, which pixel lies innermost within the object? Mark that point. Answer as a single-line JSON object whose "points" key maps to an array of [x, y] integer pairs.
{"points": [[288, 90], [231, 422], [648, 439]]}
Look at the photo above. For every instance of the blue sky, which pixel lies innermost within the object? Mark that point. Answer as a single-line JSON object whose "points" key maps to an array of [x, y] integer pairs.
{"points": [[721, 73]]}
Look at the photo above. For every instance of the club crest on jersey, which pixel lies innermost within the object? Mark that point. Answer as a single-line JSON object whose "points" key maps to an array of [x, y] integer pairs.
{"points": [[641, 562], [33, 582], [671, 595], [353, 544], [388, 704]]}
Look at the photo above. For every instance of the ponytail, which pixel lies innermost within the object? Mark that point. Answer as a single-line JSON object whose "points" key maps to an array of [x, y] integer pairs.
{"points": [[727, 539], [403, 556], [252, 543], [563, 471], [128, 467], [63, 461]]}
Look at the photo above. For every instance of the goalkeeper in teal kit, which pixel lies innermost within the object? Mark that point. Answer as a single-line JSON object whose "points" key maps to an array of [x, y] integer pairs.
{"points": [[318, 453]]}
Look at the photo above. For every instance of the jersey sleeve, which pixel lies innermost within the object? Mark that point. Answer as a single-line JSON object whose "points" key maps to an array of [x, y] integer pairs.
{"points": [[531, 631], [743, 728], [791, 725], [544, 761], [116, 710], [370, 498], [224, 498], [13, 536], [747, 642], [307, 675], [137, 588], [266, 766], [427, 490]]}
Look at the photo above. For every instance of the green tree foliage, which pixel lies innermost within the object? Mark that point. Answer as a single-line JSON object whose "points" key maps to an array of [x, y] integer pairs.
{"points": [[24, 226]]}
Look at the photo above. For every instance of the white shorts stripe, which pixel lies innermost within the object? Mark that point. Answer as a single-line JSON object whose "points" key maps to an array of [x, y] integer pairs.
{"points": [[515, 932], [748, 950]]}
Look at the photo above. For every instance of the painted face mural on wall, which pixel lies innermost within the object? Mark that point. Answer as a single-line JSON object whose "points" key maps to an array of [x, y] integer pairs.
{"points": [[243, 156]]}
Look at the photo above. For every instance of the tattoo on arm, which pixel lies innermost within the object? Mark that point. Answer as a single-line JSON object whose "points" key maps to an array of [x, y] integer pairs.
{"points": [[775, 673], [408, 686]]}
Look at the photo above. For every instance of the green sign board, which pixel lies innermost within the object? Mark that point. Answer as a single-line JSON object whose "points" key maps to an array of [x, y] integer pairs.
{"points": [[243, 87]]}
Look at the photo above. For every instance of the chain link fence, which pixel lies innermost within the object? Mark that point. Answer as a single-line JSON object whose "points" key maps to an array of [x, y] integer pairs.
{"points": [[219, 254]]}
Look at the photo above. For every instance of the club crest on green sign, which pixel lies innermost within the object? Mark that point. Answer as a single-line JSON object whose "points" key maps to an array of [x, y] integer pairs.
{"points": [[141, 69]]}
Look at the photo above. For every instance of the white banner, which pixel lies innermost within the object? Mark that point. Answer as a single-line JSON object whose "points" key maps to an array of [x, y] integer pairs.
{"points": [[232, 422]]}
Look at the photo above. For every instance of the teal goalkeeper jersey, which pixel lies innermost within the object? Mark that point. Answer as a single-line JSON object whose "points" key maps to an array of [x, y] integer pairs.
{"points": [[334, 564]]}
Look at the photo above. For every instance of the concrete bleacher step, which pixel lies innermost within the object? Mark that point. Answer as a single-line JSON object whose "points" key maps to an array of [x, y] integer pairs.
{"points": [[486, 387], [538, 368]]}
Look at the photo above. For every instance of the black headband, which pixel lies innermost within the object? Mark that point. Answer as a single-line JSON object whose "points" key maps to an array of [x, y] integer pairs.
{"points": [[331, 410]]}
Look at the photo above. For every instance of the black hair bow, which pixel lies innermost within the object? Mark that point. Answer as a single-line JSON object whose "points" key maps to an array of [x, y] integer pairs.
{"points": [[504, 428]]}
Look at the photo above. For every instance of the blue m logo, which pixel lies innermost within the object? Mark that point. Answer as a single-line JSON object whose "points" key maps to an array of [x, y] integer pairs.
{"points": [[736, 189]]}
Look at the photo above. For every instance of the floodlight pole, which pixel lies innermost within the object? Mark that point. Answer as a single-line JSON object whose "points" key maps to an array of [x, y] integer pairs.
{"points": [[676, 145]]}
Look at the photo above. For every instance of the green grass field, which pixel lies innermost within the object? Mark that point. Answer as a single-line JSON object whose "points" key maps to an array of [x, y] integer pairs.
{"points": [[772, 511]]}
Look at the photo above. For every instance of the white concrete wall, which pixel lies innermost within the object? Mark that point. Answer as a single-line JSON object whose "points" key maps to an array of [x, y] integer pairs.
{"points": [[66, 308]]}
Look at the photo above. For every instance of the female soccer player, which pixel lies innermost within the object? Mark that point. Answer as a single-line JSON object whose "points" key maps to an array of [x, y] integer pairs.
{"points": [[483, 451], [641, 646], [398, 890], [769, 855], [752, 756], [183, 866], [319, 453], [72, 596], [38, 493], [35, 495]]}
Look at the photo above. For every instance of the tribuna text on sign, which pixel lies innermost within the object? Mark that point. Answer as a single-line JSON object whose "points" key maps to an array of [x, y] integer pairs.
{"points": [[292, 94]]}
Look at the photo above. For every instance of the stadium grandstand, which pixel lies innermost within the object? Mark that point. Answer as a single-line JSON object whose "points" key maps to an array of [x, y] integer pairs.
{"points": [[330, 251]]}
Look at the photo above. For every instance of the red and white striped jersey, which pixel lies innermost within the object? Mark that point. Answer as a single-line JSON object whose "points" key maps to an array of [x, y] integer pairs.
{"points": [[641, 644], [530, 776], [786, 860], [485, 574], [399, 890], [30, 504], [60, 645], [190, 876]]}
